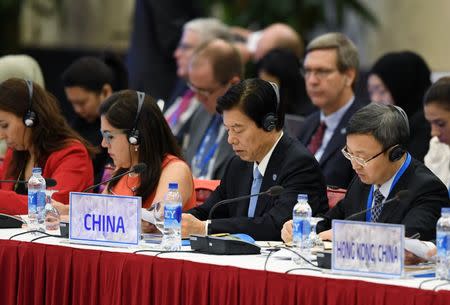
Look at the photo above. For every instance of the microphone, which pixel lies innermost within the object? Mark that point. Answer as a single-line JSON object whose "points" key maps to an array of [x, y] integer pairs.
{"points": [[401, 195], [137, 169], [273, 191], [48, 181]]}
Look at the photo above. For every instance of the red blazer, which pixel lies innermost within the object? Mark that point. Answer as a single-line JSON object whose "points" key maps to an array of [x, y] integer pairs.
{"points": [[71, 167]]}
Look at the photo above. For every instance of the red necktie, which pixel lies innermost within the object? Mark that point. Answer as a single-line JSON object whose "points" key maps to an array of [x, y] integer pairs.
{"points": [[316, 139]]}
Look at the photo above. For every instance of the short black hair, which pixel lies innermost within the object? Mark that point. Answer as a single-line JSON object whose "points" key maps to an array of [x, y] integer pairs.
{"points": [[256, 98], [92, 73], [385, 123]]}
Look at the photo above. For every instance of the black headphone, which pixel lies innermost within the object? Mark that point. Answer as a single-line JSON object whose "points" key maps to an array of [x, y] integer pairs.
{"points": [[398, 150], [133, 134], [30, 118], [270, 120]]}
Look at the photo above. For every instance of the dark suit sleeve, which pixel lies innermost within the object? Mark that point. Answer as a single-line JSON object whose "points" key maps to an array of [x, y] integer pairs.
{"points": [[300, 174], [426, 210]]}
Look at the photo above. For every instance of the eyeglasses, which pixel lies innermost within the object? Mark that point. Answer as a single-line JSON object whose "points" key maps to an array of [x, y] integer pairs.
{"points": [[319, 73], [109, 135], [359, 160], [203, 92], [185, 46]]}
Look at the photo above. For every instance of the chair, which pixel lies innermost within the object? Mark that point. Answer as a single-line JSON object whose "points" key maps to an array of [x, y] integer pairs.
{"points": [[204, 188], [335, 195]]}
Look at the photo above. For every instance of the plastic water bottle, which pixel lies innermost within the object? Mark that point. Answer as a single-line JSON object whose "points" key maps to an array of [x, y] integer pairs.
{"points": [[36, 200], [443, 245], [301, 216], [172, 219]]}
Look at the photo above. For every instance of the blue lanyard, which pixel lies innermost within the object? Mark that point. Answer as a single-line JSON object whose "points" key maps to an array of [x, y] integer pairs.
{"points": [[396, 178], [213, 131]]}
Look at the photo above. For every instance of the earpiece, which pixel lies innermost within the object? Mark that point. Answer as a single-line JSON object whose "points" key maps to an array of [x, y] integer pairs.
{"points": [[30, 118], [133, 134], [270, 120], [396, 153]]}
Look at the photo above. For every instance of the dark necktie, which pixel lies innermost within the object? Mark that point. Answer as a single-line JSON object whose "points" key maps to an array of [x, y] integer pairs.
{"points": [[316, 139], [377, 206]]}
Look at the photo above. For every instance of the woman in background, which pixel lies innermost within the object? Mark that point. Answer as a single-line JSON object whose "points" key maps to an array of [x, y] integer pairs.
{"points": [[437, 113], [37, 135], [401, 78], [283, 67], [88, 81]]}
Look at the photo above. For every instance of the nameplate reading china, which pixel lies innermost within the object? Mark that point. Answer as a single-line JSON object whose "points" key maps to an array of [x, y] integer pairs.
{"points": [[366, 248], [105, 219]]}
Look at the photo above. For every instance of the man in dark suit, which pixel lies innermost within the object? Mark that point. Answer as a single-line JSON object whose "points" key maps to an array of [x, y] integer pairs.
{"points": [[376, 137], [265, 157], [330, 70], [214, 67]]}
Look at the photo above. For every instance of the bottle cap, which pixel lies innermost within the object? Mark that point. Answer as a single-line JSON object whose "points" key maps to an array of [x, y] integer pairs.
{"points": [[36, 170], [445, 210], [302, 197], [173, 186]]}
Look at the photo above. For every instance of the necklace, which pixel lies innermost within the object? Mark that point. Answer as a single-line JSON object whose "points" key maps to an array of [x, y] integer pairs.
{"points": [[132, 188]]}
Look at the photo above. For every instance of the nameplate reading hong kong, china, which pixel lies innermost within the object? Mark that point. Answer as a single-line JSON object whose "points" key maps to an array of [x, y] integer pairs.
{"points": [[105, 219], [365, 248]]}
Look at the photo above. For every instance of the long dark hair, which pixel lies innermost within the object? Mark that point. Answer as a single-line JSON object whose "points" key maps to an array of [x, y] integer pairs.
{"points": [[51, 132], [156, 138]]}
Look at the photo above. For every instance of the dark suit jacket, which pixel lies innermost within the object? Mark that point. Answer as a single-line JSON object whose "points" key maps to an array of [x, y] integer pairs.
{"points": [[157, 27], [419, 212], [197, 129], [336, 169], [291, 166]]}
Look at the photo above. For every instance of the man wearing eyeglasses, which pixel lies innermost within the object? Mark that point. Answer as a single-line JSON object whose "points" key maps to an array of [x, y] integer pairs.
{"points": [[376, 135], [330, 69], [182, 104], [214, 67]]}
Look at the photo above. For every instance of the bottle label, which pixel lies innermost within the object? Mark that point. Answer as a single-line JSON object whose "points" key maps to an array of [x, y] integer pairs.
{"points": [[172, 216], [442, 243], [32, 202], [301, 228]]}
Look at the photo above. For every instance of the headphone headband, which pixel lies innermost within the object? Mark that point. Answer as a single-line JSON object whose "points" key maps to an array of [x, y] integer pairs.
{"points": [[30, 117], [277, 92], [133, 135], [270, 120], [403, 114]]}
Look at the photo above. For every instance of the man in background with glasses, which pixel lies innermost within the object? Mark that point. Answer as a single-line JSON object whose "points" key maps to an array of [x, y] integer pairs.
{"points": [[330, 69], [214, 67]]}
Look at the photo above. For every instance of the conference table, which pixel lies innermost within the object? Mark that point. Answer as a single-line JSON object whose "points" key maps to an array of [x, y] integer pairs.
{"points": [[54, 271]]}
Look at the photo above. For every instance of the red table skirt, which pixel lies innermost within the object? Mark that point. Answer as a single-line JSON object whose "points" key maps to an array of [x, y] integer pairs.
{"points": [[55, 275]]}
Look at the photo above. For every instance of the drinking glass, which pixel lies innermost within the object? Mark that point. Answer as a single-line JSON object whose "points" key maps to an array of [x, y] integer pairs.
{"points": [[51, 214], [158, 212], [313, 237]]}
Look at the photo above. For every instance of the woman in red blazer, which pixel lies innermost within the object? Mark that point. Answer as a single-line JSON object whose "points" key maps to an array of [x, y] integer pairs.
{"points": [[37, 135]]}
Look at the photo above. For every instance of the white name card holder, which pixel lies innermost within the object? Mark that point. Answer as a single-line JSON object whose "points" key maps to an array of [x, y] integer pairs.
{"points": [[368, 249], [106, 220]]}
